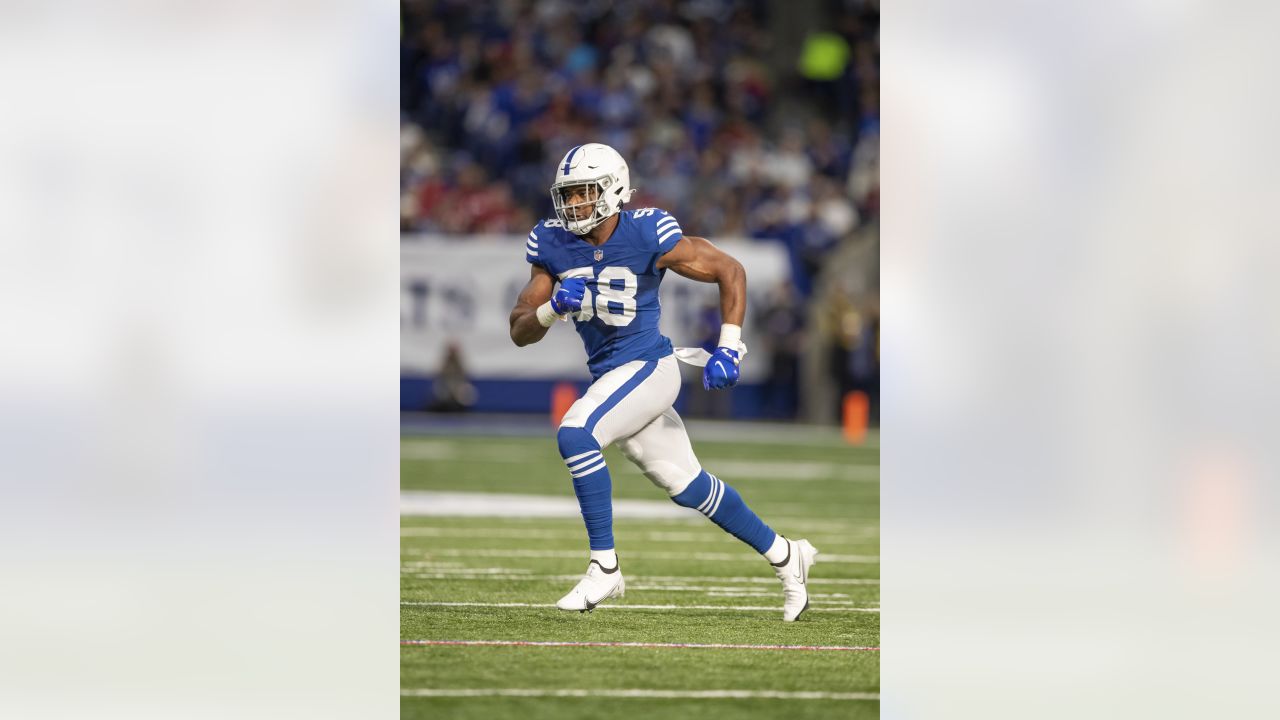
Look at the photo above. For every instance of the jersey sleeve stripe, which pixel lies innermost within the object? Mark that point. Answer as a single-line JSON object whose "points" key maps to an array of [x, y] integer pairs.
{"points": [[532, 253], [666, 221], [673, 231], [531, 244]]}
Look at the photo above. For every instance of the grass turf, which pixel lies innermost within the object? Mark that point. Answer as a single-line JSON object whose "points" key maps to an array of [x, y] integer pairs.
{"points": [[828, 493]]}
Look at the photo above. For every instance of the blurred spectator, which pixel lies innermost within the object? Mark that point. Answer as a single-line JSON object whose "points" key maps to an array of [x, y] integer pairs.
{"points": [[452, 391], [729, 143], [782, 323], [855, 354]]}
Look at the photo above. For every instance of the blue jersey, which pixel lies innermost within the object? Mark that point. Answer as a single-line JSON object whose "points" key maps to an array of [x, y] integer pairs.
{"points": [[620, 310]]}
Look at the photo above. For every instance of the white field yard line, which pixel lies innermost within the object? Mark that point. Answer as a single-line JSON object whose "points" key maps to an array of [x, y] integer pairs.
{"points": [[786, 435], [718, 557], [468, 571], [771, 595], [712, 535], [463, 574], [821, 598], [727, 589], [637, 693], [709, 591], [436, 451], [678, 646], [429, 503], [791, 470], [864, 526], [733, 608]]}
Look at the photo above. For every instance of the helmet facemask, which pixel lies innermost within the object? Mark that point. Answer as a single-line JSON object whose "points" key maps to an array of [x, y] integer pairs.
{"points": [[583, 204]]}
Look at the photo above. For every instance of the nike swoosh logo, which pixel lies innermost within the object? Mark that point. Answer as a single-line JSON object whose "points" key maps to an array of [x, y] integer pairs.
{"points": [[591, 605]]}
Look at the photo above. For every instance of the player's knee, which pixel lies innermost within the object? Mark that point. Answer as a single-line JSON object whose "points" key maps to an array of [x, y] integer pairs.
{"points": [[633, 451], [575, 441]]}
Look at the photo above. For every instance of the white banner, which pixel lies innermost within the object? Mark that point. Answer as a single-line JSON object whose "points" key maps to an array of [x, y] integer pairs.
{"points": [[461, 291]]}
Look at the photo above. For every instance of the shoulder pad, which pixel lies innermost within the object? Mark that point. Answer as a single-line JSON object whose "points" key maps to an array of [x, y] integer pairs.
{"points": [[666, 229]]}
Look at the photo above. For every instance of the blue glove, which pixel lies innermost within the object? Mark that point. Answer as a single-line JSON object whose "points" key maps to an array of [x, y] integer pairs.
{"points": [[721, 370], [569, 297]]}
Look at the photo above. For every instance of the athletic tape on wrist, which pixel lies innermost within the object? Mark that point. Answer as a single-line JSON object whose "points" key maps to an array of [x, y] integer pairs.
{"points": [[546, 314], [730, 336]]}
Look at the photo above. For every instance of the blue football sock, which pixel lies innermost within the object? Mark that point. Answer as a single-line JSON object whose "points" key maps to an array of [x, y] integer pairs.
{"points": [[714, 498], [591, 483]]}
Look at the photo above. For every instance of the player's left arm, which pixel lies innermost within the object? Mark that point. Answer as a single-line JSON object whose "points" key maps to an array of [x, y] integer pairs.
{"points": [[697, 259]]}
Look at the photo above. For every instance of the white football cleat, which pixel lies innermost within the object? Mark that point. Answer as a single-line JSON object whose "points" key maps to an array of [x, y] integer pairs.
{"points": [[596, 586], [793, 571]]}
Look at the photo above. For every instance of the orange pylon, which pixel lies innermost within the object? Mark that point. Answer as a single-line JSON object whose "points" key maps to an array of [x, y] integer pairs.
{"points": [[563, 396], [857, 408]]}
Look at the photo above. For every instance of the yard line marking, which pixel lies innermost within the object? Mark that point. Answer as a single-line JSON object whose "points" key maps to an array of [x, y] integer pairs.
{"points": [[698, 646], [792, 470], [491, 533], [710, 535], [864, 526], [735, 608], [470, 504], [432, 567], [463, 574], [744, 469], [416, 429], [726, 590], [689, 579], [721, 557], [448, 450], [638, 693]]}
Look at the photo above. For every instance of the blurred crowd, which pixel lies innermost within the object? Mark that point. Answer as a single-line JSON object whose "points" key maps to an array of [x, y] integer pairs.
{"points": [[751, 119], [724, 124]]}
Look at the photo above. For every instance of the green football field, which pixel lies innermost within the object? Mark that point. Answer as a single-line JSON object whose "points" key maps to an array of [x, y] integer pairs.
{"points": [[493, 577]]}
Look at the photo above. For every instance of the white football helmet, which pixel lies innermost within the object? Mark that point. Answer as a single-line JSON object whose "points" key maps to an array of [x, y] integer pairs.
{"points": [[597, 177]]}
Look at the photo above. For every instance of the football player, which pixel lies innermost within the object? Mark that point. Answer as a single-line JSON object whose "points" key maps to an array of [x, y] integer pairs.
{"points": [[608, 263]]}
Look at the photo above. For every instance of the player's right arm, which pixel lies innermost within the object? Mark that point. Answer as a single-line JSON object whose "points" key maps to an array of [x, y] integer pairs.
{"points": [[526, 328], [538, 308]]}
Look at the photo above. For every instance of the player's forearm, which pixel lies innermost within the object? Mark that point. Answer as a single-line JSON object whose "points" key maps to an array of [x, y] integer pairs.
{"points": [[732, 279], [526, 329]]}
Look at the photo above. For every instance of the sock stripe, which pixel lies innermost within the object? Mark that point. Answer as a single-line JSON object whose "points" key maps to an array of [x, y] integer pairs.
{"points": [[598, 466], [719, 496], [711, 493], [717, 488], [715, 497], [724, 506], [579, 456], [576, 466]]}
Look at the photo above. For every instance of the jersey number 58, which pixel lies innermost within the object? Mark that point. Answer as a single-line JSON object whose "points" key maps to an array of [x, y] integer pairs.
{"points": [[622, 298]]}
